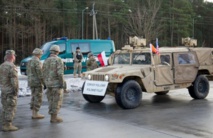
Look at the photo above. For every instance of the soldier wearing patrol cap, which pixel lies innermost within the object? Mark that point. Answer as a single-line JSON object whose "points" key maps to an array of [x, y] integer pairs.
{"points": [[53, 70], [9, 88], [35, 82]]}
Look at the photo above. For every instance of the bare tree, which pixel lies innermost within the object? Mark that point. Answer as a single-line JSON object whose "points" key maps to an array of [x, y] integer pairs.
{"points": [[142, 21]]}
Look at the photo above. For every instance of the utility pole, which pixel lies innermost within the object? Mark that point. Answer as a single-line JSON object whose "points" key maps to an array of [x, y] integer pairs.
{"points": [[95, 31], [109, 29], [82, 23]]}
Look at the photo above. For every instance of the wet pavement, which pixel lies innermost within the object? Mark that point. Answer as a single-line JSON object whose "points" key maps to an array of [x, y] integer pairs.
{"points": [[175, 115]]}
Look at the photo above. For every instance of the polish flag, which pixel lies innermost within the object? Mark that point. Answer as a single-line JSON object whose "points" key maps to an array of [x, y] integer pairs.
{"points": [[102, 58]]}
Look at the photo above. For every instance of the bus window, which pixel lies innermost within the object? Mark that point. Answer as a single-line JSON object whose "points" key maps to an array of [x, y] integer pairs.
{"points": [[46, 47], [84, 47]]}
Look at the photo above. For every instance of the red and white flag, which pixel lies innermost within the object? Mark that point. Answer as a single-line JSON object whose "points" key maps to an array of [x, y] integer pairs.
{"points": [[102, 58]]}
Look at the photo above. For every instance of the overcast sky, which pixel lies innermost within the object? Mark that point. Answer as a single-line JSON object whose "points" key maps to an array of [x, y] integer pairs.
{"points": [[210, 0]]}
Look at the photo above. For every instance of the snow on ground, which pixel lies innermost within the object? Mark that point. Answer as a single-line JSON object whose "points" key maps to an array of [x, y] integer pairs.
{"points": [[19, 73], [73, 84]]}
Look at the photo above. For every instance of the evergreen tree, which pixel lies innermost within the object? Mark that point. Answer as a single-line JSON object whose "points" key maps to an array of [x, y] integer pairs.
{"points": [[178, 21]]}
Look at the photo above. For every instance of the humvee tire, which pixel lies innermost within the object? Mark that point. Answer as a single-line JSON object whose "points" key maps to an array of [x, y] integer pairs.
{"points": [[129, 95], [117, 92], [92, 98], [200, 87], [161, 93]]}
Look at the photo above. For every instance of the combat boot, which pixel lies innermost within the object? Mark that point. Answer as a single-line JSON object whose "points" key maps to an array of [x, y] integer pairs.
{"points": [[9, 127], [36, 115], [55, 119]]}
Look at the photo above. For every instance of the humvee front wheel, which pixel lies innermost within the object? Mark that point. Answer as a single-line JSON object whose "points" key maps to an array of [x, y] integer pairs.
{"points": [[92, 98], [128, 95], [161, 93], [200, 88]]}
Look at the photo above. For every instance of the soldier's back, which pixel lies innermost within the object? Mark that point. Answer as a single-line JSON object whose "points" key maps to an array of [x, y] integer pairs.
{"points": [[52, 68], [6, 72], [33, 68]]}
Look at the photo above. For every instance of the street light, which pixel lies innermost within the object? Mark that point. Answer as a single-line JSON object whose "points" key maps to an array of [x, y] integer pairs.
{"points": [[82, 21]]}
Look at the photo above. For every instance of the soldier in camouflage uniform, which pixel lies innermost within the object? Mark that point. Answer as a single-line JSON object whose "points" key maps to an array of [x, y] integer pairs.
{"points": [[35, 82], [9, 88], [53, 71], [77, 62], [91, 62]]}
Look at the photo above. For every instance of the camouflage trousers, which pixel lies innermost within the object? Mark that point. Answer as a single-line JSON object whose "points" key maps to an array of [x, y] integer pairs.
{"points": [[55, 99], [9, 103], [36, 100], [77, 68]]}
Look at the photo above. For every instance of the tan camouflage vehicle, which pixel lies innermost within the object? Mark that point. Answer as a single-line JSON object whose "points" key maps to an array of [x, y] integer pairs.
{"points": [[136, 70]]}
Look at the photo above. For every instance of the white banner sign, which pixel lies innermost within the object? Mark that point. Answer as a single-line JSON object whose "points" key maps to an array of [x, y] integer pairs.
{"points": [[97, 88]]}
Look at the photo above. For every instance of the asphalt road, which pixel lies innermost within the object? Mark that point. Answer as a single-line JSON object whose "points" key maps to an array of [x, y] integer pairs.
{"points": [[175, 115]]}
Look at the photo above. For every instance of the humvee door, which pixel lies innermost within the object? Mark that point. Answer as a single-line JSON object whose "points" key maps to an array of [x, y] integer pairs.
{"points": [[163, 70], [185, 66]]}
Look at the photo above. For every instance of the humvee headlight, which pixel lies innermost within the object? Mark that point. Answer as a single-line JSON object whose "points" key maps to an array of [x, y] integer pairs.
{"points": [[106, 77], [89, 77]]}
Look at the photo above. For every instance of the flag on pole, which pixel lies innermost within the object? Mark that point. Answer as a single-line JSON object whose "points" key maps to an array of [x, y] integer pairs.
{"points": [[157, 46], [152, 48], [102, 58]]}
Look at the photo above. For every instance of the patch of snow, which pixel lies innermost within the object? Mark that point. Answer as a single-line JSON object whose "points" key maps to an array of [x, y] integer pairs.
{"points": [[24, 90], [74, 82], [19, 72]]}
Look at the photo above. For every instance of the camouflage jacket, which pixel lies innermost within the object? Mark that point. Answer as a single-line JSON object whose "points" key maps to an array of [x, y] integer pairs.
{"points": [[76, 60], [53, 71], [91, 64], [9, 78], [34, 72]]}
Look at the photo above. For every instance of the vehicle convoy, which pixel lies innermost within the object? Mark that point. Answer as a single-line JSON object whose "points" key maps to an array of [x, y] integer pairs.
{"points": [[67, 49], [136, 69]]}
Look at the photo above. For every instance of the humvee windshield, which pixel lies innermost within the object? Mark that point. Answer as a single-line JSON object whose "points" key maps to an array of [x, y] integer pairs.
{"points": [[141, 58], [137, 58], [122, 58]]}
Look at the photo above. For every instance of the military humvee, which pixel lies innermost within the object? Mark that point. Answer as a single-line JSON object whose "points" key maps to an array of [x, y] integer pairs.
{"points": [[136, 69]]}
